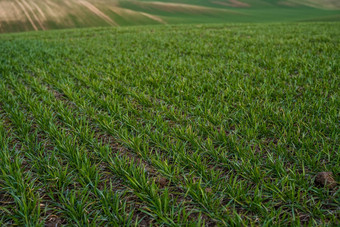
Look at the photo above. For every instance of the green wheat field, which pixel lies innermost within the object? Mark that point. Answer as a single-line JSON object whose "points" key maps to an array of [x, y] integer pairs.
{"points": [[198, 124]]}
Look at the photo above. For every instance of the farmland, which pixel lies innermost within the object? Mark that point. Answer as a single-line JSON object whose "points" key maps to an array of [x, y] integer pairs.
{"points": [[170, 125], [30, 15]]}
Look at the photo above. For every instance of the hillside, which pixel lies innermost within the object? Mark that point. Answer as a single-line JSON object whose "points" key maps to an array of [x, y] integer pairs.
{"points": [[321, 4], [25, 15], [177, 125]]}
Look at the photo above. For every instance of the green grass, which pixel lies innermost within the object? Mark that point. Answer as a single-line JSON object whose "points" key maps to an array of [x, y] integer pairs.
{"points": [[170, 125]]}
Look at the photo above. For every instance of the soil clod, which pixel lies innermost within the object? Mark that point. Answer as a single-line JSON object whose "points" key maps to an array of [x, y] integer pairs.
{"points": [[162, 181], [325, 179]]}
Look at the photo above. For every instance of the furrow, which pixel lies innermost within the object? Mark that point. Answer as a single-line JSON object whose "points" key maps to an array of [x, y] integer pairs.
{"points": [[87, 176], [191, 183], [133, 173], [20, 195]]}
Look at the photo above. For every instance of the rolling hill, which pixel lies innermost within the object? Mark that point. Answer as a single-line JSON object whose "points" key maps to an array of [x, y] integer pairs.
{"points": [[25, 15]]}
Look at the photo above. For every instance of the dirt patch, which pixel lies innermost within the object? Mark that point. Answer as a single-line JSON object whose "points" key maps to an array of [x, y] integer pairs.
{"points": [[325, 4], [27, 15], [57, 12], [37, 19], [153, 17], [42, 14], [9, 12], [131, 13], [99, 13], [325, 179], [53, 221], [122, 12], [177, 7]]}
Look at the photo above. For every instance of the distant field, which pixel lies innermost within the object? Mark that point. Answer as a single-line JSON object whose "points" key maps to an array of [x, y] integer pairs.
{"points": [[170, 125], [30, 15]]}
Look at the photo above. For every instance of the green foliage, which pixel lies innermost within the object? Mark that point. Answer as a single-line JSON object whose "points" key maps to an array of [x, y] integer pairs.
{"points": [[170, 125]]}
